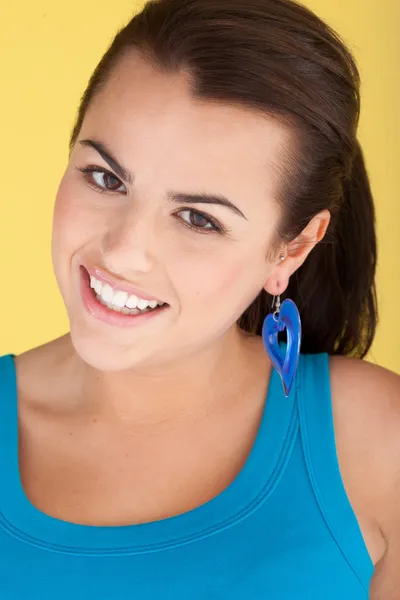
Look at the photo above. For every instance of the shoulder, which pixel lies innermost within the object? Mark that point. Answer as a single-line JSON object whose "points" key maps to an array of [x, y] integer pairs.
{"points": [[361, 372], [42, 375], [366, 411], [369, 391], [368, 396]]}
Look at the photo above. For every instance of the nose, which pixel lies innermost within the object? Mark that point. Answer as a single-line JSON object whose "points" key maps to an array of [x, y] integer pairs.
{"points": [[128, 246]]}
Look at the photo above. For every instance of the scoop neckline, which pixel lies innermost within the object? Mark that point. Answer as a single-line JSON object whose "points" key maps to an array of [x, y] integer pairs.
{"points": [[243, 496]]}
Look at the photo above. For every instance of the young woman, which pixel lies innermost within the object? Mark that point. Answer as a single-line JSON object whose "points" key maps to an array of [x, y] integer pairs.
{"points": [[207, 429]]}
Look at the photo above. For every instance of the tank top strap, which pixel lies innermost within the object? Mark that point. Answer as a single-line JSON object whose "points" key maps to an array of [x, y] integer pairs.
{"points": [[320, 453]]}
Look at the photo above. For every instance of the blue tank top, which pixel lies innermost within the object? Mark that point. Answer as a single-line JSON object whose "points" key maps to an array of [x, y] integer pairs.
{"points": [[284, 529]]}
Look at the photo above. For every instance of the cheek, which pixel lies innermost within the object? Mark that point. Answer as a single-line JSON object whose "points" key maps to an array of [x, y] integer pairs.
{"points": [[62, 235], [72, 228], [223, 279], [74, 220], [64, 211], [63, 217]]}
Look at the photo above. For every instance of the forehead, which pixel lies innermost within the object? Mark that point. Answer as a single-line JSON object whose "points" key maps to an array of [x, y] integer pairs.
{"points": [[153, 124]]}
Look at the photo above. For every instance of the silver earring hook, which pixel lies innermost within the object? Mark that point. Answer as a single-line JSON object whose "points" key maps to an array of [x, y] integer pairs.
{"points": [[277, 307], [278, 302]]}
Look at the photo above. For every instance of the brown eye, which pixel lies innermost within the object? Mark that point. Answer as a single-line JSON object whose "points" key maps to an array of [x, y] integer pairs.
{"points": [[101, 180], [106, 180], [198, 221]]}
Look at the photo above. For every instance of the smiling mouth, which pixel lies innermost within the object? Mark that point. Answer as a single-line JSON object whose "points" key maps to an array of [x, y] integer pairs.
{"points": [[123, 311]]}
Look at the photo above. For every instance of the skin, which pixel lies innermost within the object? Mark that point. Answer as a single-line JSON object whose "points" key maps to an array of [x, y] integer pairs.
{"points": [[149, 124], [111, 405]]}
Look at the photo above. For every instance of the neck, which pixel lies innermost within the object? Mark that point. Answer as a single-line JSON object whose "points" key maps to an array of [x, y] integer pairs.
{"points": [[188, 388]]}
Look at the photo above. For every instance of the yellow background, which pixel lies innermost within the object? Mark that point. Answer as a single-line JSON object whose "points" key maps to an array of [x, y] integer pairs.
{"points": [[48, 52]]}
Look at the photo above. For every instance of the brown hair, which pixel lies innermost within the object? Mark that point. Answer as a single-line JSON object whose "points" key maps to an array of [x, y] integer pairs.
{"points": [[277, 56]]}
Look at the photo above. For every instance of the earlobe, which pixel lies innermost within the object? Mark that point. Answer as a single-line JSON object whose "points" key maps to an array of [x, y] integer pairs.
{"points": [[277, 287], [278, 282]]}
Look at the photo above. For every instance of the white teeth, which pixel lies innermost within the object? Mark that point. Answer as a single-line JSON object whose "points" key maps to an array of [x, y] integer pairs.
{"points": [[142, 304], [120, 299], [107, 293], [132, 301]]}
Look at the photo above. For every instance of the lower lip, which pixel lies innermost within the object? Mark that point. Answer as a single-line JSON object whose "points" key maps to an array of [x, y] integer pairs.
{"points": [[101, 312]]}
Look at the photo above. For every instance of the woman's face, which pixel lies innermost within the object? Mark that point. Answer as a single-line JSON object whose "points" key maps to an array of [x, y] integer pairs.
{"points": [[207, 261]]}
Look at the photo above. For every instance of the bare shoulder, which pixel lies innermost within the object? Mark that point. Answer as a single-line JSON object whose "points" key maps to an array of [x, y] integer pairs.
{"points": [[362, 374], [366, 401], [366, 411], [39, 372]]}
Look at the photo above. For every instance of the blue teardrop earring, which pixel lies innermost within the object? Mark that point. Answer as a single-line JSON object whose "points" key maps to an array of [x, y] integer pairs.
{"points": [[284, 316]]}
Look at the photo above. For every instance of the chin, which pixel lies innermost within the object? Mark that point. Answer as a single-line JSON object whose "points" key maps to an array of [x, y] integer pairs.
{"points": [[104, 357]]}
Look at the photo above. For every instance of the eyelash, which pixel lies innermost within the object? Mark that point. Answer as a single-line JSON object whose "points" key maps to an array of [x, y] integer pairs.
{"points": [[88, 172]]}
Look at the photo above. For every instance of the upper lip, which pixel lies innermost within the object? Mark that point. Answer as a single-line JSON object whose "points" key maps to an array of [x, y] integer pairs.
{"points": [[118, 284]]}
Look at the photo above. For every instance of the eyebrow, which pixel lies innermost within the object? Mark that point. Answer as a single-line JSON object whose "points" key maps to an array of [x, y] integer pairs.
{"points": [[127, 177]]}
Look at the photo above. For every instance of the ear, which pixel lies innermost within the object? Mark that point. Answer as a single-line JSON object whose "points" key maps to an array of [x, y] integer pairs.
{"points": [[296, 253]]}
